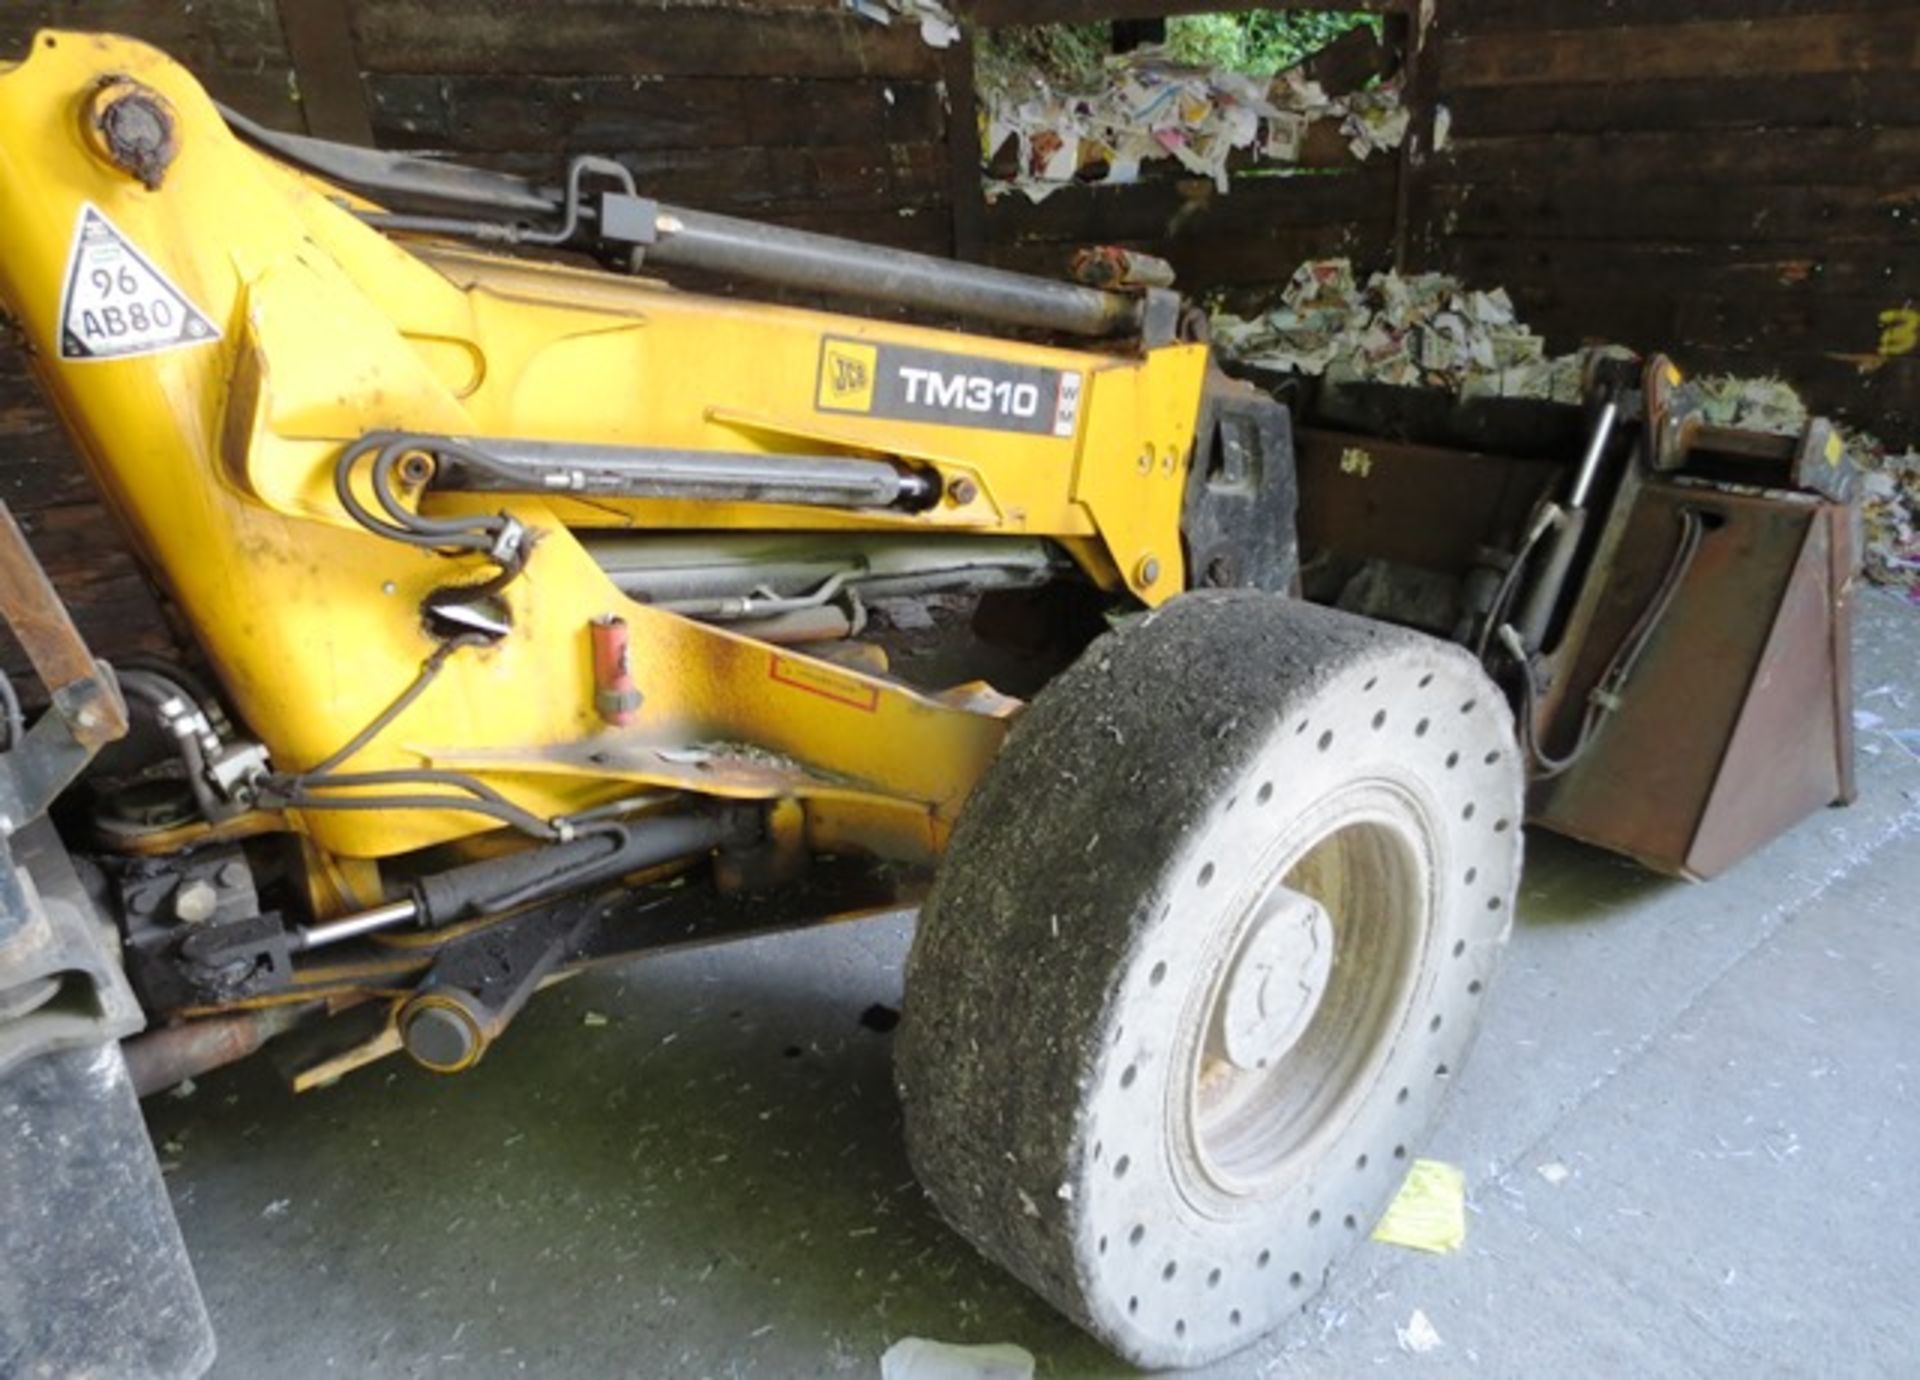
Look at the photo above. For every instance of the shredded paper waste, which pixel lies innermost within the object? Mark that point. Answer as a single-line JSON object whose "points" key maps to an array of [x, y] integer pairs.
{"points": [[1419, 1336], [917, 1358], [1427, 330], [1150, 107], [1890, 507], [938, 27], [1430, 330]]}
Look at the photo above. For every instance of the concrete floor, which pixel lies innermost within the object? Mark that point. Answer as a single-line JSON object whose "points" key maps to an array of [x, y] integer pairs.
{"points": [[711, 1183]]}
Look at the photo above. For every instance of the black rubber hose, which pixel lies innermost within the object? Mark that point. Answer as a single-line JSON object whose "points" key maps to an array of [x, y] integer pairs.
{"points": [[498, 884], [524, 820], [429, 669], [1604, 697], [156, 690], [199, 690], [408, 528]]}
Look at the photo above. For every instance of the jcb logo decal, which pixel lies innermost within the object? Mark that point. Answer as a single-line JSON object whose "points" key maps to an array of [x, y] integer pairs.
{"points": [[846, 376]]}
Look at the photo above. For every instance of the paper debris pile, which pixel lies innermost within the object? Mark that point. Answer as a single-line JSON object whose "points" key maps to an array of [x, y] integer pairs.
{"points": [[1422, 331], [1889, 482], [1761, 404], [1145, 106], [1430, 330], [1890, 508]]}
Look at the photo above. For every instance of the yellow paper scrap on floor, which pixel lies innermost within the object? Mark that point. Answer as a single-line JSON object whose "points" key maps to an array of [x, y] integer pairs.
{"points": [[1430, 1211]]}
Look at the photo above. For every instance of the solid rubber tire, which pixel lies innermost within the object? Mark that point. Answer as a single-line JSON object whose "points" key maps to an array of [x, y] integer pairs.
{"points": [[1065, 924]]}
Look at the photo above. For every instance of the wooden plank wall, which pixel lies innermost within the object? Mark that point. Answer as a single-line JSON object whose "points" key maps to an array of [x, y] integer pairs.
{"points": [[1735, 181], [794, 111], [1245, 242]]}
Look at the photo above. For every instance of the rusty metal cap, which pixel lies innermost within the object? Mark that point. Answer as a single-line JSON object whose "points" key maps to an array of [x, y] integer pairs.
{"points": [[132, 127]]}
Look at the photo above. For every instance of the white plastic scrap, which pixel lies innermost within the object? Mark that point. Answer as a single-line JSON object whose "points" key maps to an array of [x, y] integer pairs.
{"points": [[1148, 106], [916, 1358], [1890, 510], [1430, 330], [1419, 1336]]}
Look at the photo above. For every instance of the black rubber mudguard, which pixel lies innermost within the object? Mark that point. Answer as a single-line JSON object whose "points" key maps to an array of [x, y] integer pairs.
{"points": [[94, 1278]]}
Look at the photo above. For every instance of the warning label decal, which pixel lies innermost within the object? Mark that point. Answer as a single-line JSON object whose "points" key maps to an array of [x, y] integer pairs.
{"points": [[824, 681], [115, 303]]}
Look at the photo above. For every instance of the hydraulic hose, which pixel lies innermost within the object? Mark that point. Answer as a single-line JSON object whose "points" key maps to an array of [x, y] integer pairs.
{"points": [[159, 693]]}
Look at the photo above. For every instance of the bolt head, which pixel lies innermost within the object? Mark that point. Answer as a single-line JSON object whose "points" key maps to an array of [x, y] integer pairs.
{"points": [[1275, 982], [439, 1036], [195, 902], [963, 490], [1148, 571], [132, 127]]}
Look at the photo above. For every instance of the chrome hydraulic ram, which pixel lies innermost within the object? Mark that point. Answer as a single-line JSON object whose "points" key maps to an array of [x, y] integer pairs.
{"points": [[1543, 597], [516, 466], [847, 268], [446, 199], [493, 886]]}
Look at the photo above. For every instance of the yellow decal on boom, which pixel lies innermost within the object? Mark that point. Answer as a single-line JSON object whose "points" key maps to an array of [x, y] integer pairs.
{"points": [[1899, 332]]}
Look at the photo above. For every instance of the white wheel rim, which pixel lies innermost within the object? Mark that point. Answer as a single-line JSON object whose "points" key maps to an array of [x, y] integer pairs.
{"points": [[1350, 889]]}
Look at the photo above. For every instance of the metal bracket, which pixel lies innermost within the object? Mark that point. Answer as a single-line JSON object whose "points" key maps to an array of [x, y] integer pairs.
{"points": [[59, 985], [60, 982], [87, 711]]}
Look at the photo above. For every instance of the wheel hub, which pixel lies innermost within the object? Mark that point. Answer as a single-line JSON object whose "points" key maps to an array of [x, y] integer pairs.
{"points": [[1303, 1005], [1276, 981]]}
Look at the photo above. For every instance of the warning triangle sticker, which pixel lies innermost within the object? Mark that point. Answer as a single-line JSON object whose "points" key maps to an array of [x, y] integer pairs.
{"points": [[116, 303]]}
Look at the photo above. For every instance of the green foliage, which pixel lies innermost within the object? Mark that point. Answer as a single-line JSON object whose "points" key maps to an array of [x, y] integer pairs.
{"points": [[1069, 56], [1260, 42]]}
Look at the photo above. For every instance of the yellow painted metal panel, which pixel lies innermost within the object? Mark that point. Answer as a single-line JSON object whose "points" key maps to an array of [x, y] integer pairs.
{"points": [[219, 455]]}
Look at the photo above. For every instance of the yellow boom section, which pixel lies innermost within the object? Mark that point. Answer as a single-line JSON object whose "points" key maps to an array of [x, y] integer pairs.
{"points": [[216, 334]]}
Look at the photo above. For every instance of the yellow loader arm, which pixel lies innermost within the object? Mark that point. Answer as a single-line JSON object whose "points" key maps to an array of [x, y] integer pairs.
{"points": [[222, 331]]}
